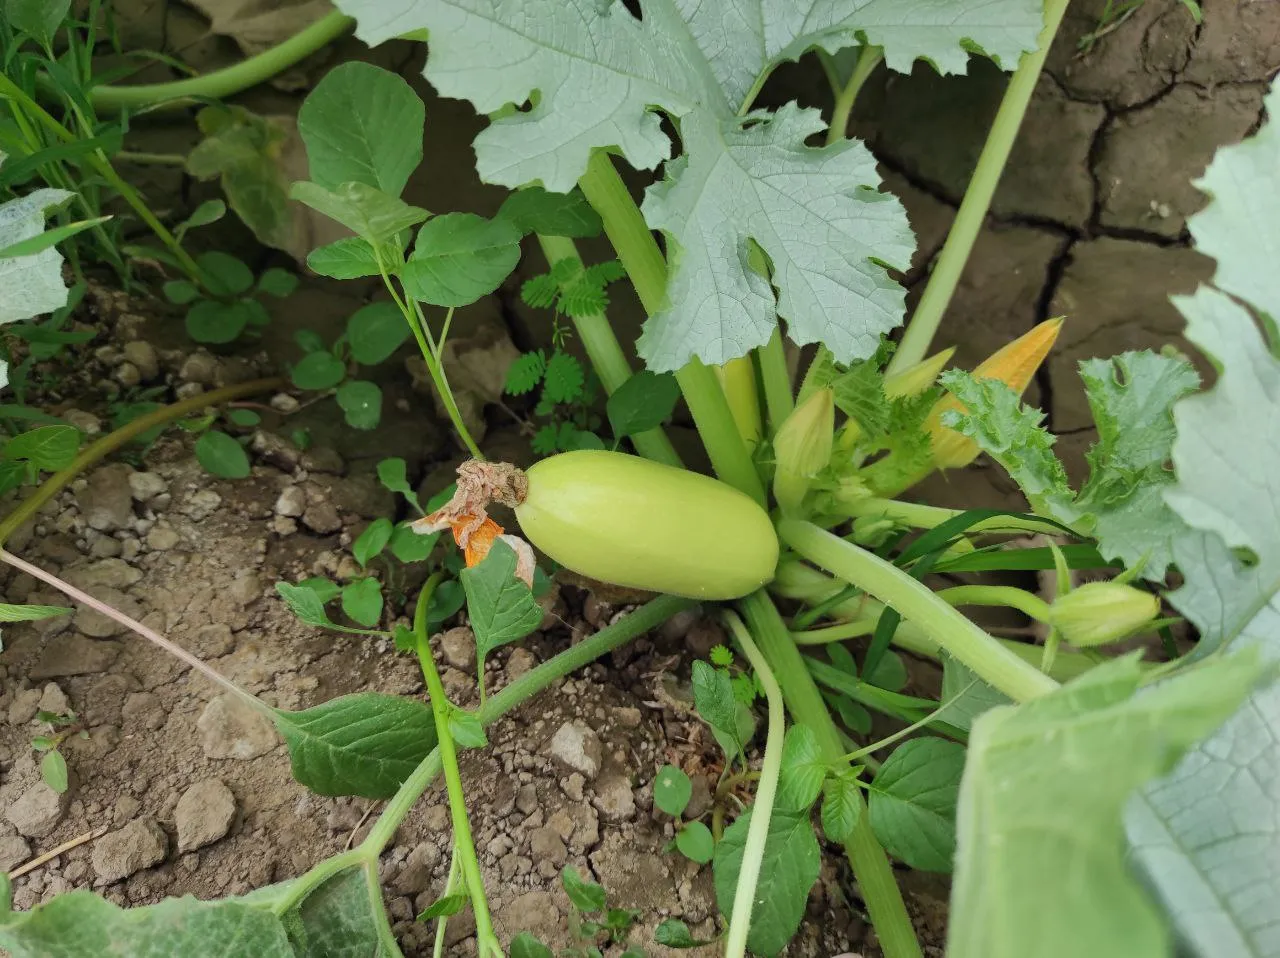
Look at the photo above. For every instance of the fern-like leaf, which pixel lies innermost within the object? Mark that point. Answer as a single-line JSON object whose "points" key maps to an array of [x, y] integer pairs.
{"points": [[525, 373], [563, 379]]}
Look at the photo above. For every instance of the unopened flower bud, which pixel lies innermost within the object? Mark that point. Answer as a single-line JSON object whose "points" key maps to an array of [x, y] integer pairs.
{"points": [[802, 447], [1101, 612]]}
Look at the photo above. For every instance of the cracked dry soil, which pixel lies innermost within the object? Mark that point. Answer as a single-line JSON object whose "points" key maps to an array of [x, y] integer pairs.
{"points": [[193, 796]]}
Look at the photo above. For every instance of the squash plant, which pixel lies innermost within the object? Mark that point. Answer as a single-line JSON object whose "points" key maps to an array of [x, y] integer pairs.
{"points": [[1085, 804]]}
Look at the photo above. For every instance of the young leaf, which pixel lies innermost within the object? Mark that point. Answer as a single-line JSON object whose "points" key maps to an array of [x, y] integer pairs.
{"points": [[841, 807], [29, 613], [540, 292], [306, 603], [643, 402], [226, 275], [673, 933], [245, 418], [393, 474], [371, 214], [208, 212], [53, 770], [325, 589], [713, 696], [39, 19], [214, 322], [362, 601], [445, 907], [563, 379], [525, 373], [459, 257], [671, 790], [695, 842], [375, 332], [365, 744], [48, 448], [584, 895], [348, 258], [913, 802], [789, 870], [446, 601], [965, 695], [277, 282], [409, 546], [466, 730], [180, 291], [372, 541], [545, 441], [501, 607], [222, 456], [363, 124], [1081, 750], [361, 403], [803, 770], [524, 945], [859, 394], [534, 210], [318, 370]]}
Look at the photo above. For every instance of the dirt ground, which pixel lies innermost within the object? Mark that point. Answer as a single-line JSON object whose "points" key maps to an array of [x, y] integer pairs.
{"points": [[190, 795]]}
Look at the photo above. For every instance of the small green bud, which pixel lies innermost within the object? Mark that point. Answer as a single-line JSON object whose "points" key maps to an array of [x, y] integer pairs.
{"points": [[1100, 612], [802, 447]]}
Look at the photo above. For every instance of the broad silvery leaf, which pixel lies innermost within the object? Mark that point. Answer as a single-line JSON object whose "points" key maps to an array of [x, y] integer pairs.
{"points": [[1122, 504], [1208, 835], [596, 77], [32, 284]]}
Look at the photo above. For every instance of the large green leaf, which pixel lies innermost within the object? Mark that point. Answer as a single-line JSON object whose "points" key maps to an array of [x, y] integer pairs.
{"points": [[1208, 835], [363, 744], [1041, 859], [597, 77], [341, 920], [362, 124], [38, 19], [82, 925], [912, 802], [459, 257]]}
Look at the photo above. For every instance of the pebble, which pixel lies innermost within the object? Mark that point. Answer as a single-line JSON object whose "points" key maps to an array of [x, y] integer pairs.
{"points": [[322, 518], [138, 845], [283, 526], [109, 574], [106, 502], [284, 403], [38, 810], [291, 502], [143, 709], [213, 640], [614, 799], [546, 845], [86, 422], [99, 626], [199, 368], [74, 654], [578, 747], [519, 662], [103, 547], [24, 706], [188, 391], [13, 852], [127, 375], [145, 486], [527, 799], [458, 646], [204, 814], [230, 728], [323, 459], [143, 356], [201, 505], [162, 538], [416, 873], [54, 700], [275, 450]]}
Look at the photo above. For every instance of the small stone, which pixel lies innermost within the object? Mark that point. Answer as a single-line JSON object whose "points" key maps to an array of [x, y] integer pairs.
{"points": [[546, 845], [54, 700], [24, 706], [143, 709], [127, 375], [106, 502], [188, 391], [527, 799], [415, 874], [199, 368], [86, 422], [578, 747], [145, 486], [162, 538], [283, 402], [140, 844], [38, 810], [323, 459], [130, 548], [73, 654], [211, 641], [322, 518], [99, 626], [201, 505], [572, 786], [628, 716], [103, 547], [275, 450], [13, 852], [283, 526], [458, 646], [204, 814], [245, 589], [292, 502], [109, 573], [229, 728], [143, 356], [519, 662], [614, 799]]}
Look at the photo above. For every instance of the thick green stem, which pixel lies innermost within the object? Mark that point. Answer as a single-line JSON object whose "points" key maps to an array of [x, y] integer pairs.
{"points": [[744, 894], [641, 258], [109, 443], [868, 60], [804, 702], [776, 379], [977, 198], [998, 595], [224, 83], [959, 637], [463, 844], [607, 357], [920, 516]]}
